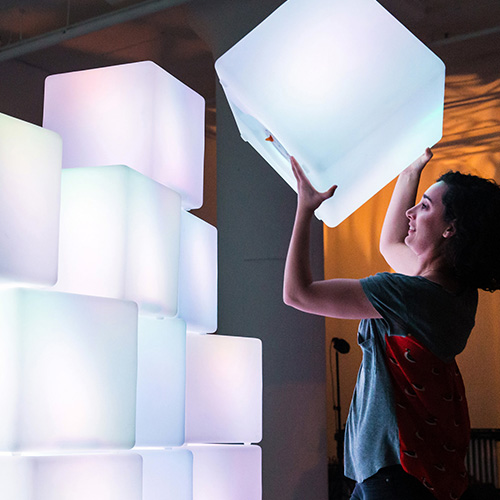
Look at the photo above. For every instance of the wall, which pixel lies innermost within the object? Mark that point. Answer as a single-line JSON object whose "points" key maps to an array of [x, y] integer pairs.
{"points": [[470, 143], [255, 211]]}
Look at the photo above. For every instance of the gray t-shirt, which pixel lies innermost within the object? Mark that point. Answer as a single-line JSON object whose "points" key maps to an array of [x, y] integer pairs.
{"points": [[409, 305]]}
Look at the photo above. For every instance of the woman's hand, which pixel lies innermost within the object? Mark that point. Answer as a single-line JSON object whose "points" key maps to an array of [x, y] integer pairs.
{"points": [[335, 298], [309, 197], [418, 165]]}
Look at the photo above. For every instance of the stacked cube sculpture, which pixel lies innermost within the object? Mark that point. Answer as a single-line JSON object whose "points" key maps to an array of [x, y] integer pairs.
{"points": [[344, 88], [108, 287]]}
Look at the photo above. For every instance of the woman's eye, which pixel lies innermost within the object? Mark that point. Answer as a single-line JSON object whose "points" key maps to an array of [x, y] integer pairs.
{"points": [[423, 205]]}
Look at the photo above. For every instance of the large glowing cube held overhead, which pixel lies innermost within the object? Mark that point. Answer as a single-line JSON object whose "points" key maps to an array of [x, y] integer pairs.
{"points": [[68, 372], [85, 477], [30, 184], [223, 389], [132, 114], [161, 382], [119, 237], [198, 274], [229, 472], [344, 88], [167, 474]]}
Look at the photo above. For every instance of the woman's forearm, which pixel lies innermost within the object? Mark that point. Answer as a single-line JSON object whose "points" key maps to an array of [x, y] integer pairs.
{"points": [[298, 274], [336, 298], [395, 227]]}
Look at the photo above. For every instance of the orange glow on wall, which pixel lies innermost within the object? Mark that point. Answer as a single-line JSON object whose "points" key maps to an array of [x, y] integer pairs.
{"points": [[470, 144]]}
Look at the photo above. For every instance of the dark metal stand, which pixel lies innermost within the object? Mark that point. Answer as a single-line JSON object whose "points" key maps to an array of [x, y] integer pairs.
{"points": [[340, 487]]}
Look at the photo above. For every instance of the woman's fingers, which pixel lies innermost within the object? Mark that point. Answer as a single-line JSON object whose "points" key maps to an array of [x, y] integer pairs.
{"points": [[330, 192], [426, 156], [305, 189], [297, 170]]}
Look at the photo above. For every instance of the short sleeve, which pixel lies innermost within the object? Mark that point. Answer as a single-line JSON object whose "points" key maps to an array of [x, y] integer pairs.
{"points": [[387, 295], [412, 304]]}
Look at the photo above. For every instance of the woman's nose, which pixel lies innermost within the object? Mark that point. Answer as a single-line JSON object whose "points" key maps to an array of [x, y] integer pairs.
{"points": [[409, 212]]}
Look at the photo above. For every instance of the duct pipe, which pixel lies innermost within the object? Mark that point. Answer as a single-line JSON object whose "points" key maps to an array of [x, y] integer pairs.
{"points": [[466, 36], [46, 40]]}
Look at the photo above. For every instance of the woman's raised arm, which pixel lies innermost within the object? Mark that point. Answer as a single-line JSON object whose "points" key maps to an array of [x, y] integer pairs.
{"points": [[395, 228], [338, 298]]}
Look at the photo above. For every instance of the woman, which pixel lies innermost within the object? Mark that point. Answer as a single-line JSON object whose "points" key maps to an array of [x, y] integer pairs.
{"points": [[408, 427]]}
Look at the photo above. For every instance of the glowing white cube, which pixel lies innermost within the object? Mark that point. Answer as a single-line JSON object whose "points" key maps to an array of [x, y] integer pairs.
{"points": [[167, 474], [161, 382], [132, 114], [343, 87], [120, 234], [227, 472], [30, 185], [67, 371], [85, 477], [15, 478], [198, 274], [223, 389]]}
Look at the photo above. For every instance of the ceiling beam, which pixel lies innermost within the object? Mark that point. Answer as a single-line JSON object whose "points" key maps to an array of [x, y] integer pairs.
{"points": [[35, 43], [466, 36]]}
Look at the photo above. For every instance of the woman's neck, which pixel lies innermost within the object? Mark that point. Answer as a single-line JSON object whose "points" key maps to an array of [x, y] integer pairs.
{"points": [[443, 276], [438, 271]]}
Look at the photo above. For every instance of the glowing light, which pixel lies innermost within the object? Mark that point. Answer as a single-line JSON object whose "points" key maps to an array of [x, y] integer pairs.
{"points": [[15, 478], [167, 474], [223, 389], [161, 382], [120, 234], [30, 179], [198, 274], [227, 472], [68, 372], [85, 477], [343, 87], [132, 114]]}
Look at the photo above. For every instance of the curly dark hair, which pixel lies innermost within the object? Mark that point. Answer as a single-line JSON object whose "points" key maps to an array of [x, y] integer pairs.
{"points": [[473, 204]]}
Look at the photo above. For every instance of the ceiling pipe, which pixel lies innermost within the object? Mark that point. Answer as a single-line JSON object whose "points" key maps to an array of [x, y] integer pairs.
{"points": [[38, 42], [466, 36]]}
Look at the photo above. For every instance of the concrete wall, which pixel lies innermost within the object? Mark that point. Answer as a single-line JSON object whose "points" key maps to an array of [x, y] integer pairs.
{"points": [[255, 211]]}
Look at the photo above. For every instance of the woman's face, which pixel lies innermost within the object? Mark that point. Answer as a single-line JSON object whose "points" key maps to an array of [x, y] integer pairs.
{"points": [[428, 229]]}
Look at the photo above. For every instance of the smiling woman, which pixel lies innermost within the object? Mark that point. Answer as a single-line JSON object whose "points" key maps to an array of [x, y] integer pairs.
{"points": [[399, 441], [428, 230]]}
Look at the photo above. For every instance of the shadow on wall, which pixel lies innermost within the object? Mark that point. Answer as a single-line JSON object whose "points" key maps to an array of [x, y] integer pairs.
{"points": [[310, 478]]}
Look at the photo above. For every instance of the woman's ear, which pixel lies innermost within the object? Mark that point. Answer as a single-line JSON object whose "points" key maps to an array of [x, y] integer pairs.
{"points": [[450, 230]]}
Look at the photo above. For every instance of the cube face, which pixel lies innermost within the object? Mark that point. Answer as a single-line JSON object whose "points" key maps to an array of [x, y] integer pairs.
{"points": [[70, 380], [223, 389], [167, 474], [16, 481], [198, 274], [161, 382], [133, 114], [96, 477], [30, 184], [227, 472], [355, 99], [119, 237]]}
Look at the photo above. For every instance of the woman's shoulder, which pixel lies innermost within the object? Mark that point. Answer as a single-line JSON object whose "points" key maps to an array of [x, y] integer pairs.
{"points": [[418, 285]]}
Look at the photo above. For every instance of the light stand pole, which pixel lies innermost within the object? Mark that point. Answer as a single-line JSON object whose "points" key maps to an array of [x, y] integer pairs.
{"points": [[343, 347], [339, 488]]}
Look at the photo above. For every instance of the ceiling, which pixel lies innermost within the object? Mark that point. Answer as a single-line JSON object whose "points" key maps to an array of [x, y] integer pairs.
{"points": [[64, 35], [111, 31], [129, 30], [55, 36]]}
